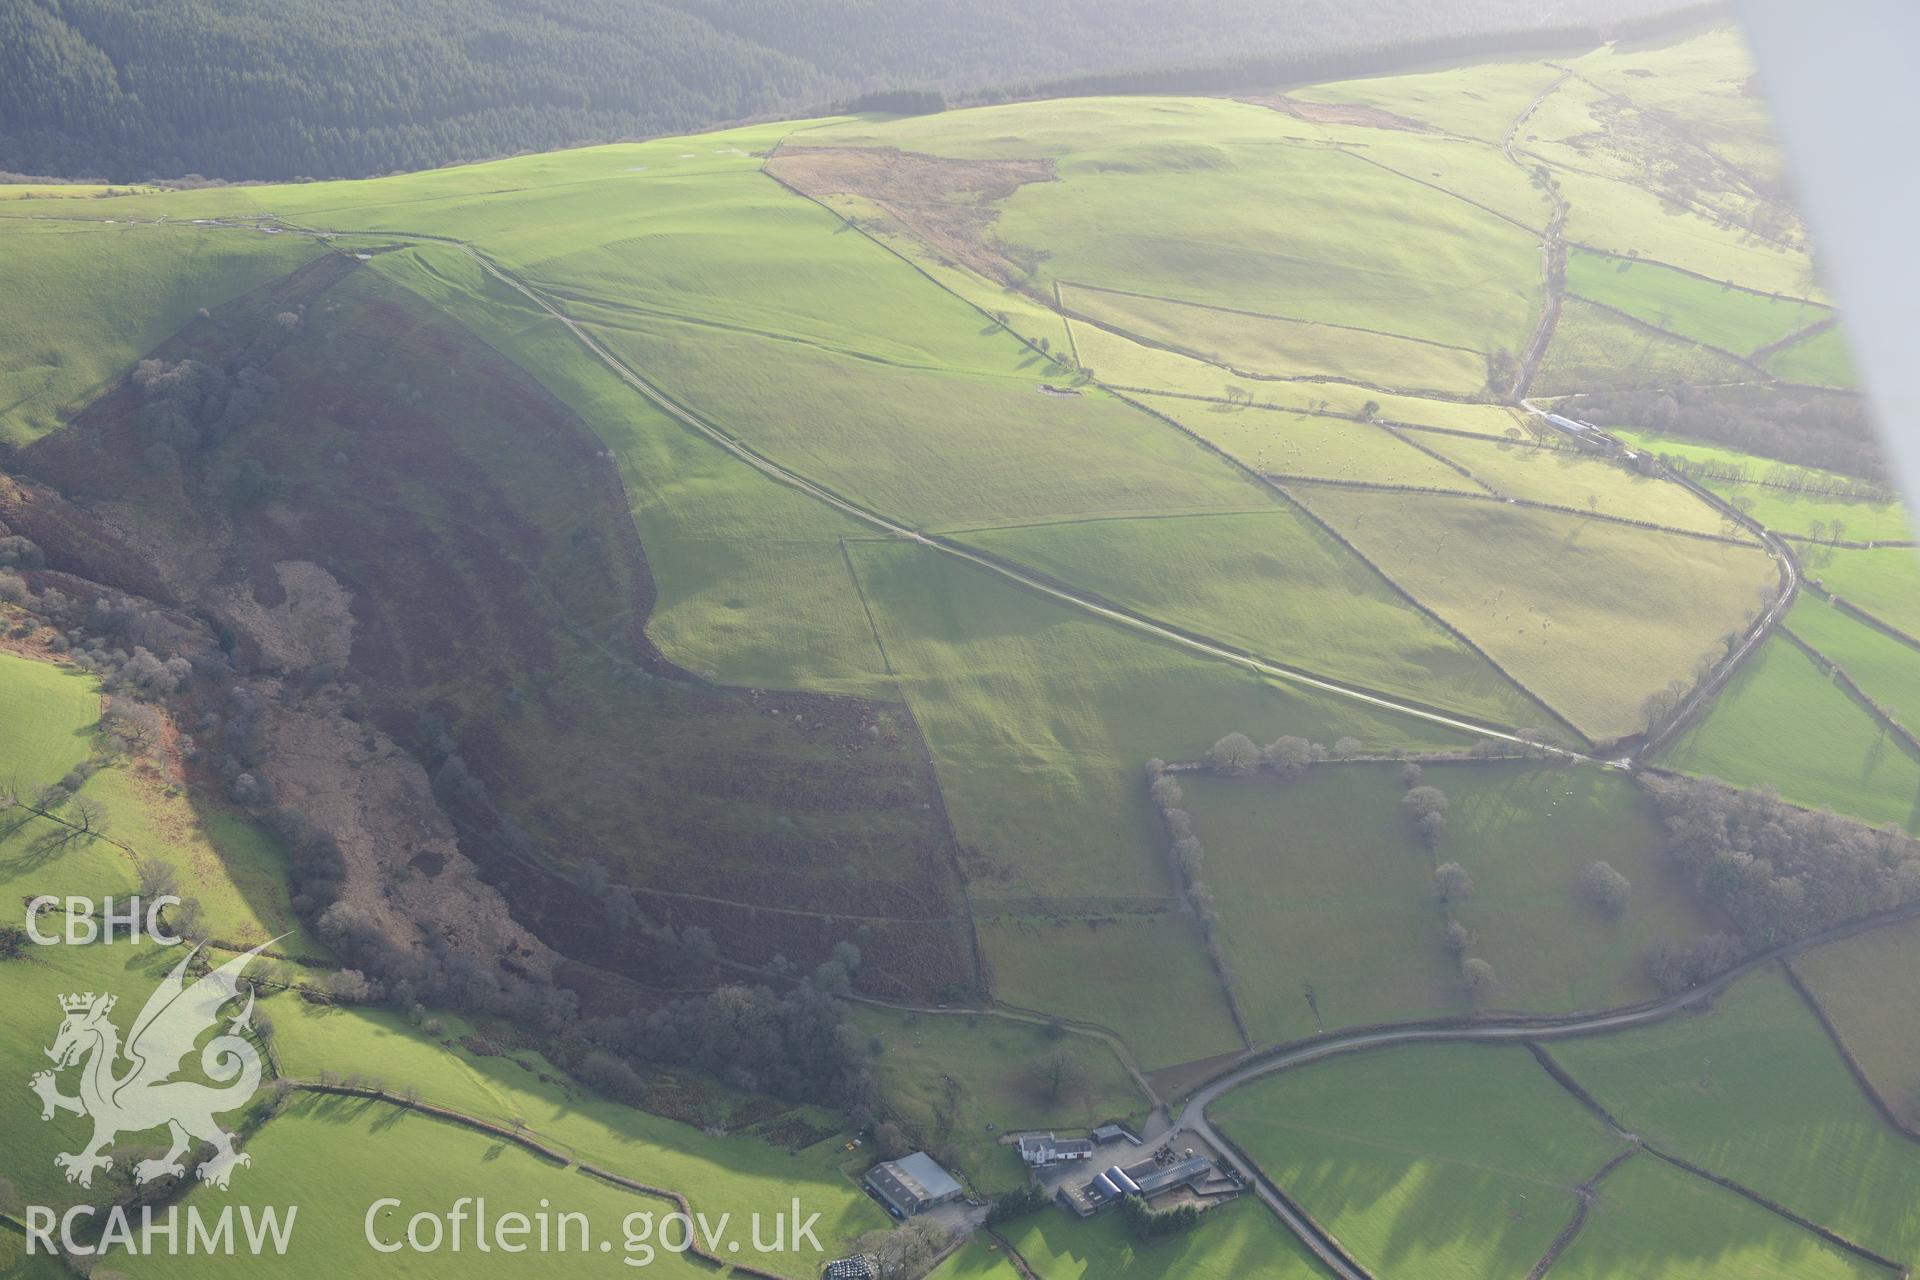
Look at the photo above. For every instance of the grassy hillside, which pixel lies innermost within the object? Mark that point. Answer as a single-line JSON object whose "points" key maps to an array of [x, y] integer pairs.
{"points": [[1274, 584], [50, 713], [82, 301]]}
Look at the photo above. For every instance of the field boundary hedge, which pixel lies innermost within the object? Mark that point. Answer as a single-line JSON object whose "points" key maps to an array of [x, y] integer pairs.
{"points": [[1847, 682], [1579, 1092], [1856, 612], [1582, 1205], [1854, 1068], [1326, 1238]]}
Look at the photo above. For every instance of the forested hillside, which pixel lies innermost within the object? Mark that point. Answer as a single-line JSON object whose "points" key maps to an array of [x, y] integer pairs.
{"points": [[275, 89]]}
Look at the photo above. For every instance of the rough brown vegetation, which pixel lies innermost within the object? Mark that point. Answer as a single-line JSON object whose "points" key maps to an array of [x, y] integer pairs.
{"points": [[422, 547], [947, 204]]}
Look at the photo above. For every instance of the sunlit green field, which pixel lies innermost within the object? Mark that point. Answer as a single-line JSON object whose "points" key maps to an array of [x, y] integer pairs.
{"points": [[1783, 723], [83, 300], [1886, 669], [1653, 1220], [1589, 615], [1444, 1161], [1756, 1093], [1821, 359], [1283, 442], [50, 714], [1731, 319], [1273, 584], [1869, 988], [1242, 1240], [1594, 348], [1320, 882], [1885, 582], [1577, 481], [314, 1156]]}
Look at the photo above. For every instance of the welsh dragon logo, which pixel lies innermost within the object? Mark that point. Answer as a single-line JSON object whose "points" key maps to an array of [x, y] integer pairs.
{"points": [[145, 1094]]}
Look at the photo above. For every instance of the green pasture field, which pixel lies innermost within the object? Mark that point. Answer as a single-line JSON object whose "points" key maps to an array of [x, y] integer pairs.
{"points": [[1785, 511], [1471, 170], [1590, 616], [319, 1154], [30, 1000], [1107, 130], [1869, 987], [1712, 68], [1320, 881], [1284, 442], [1135, 368], [1886, 668], [1232, 1242], [1525, 833], [49, 712], [1040, 718], [1478, 101], [1569, 478], [1442, 1161], [1278, 346], [931, 447], [978, 1259], [17, 1264], [741, 1172], [1178, 197], [1366, 247], [1621, 219], [1317, 884], [1885, 582], [1756, 1092], [1023, 314], [752, 585], [1274, 584], [990, 1061], [1782, 723], [236, 870], [1821, 359], [1596, 350], [80, 302], [1782, 509], [1655, 1222], [1094, 967], [1732, 319]]}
